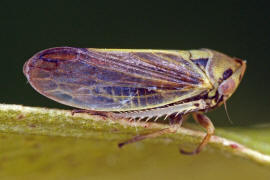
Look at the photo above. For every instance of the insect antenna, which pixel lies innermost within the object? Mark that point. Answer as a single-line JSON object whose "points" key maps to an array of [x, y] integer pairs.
{"points": [[226, 110]]}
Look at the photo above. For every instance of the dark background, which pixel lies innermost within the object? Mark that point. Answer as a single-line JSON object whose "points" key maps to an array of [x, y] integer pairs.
{"points": [[237, 28]]}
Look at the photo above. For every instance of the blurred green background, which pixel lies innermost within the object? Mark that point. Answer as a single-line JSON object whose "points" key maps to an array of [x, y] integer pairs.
{"points": [[237, 28]]}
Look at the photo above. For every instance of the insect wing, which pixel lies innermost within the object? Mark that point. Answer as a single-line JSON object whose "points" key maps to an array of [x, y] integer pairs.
{"points": [[114, 80]]}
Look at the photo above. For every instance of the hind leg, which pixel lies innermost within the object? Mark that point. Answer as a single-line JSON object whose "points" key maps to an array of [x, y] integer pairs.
{"points": [[99, 113], [175, 121]]}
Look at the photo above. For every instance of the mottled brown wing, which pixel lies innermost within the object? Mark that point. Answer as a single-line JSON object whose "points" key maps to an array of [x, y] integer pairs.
{"points": [[114, 80]]}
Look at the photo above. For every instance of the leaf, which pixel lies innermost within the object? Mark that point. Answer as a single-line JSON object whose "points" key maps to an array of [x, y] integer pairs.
{"points": [[27, 134]]}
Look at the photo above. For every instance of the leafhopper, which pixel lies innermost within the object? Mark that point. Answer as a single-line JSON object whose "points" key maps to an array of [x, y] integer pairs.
{"points": [[138, 84]]}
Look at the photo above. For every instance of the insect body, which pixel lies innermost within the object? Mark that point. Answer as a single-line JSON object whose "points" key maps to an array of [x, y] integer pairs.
{"points": [[137, 83]]}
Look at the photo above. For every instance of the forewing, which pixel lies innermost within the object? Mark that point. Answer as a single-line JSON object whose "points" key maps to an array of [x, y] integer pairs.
{"points": [[114, 80]]}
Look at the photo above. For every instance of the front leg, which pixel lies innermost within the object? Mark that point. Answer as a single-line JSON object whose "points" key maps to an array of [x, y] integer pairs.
{"points": [[204, 121]]}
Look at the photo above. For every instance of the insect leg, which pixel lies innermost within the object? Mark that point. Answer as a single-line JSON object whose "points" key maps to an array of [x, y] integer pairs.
{"points": [[145, 136], [175, 122], [204, 121], [177, 119], [99, 113]]}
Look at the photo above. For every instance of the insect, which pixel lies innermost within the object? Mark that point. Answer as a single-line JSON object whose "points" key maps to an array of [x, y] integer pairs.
{"points": [[138, 84]]}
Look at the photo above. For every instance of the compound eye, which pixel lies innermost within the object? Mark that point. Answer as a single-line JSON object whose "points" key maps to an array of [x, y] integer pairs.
{"points": [[227, 74]]}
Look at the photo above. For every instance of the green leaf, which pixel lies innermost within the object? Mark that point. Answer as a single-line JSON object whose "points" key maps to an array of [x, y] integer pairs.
{"points": [[49, 143]]}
